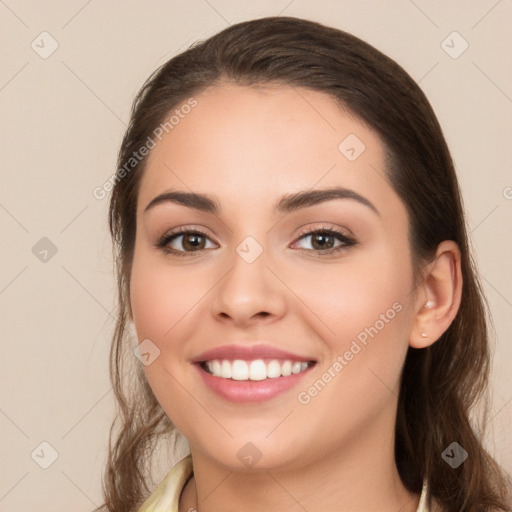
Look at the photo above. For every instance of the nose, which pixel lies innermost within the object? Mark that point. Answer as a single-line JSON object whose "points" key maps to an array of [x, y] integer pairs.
{"points": [[249, 293]]}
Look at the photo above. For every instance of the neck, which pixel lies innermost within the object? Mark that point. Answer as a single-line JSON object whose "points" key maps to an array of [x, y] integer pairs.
{"points": [[359, 476]]}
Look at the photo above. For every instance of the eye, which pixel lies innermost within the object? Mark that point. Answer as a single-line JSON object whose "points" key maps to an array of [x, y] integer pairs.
{"points": [[323, 240], [192, 240]]}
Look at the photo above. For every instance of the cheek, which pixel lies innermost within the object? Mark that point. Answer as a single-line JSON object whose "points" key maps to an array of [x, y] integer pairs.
{"points": [[160, 295], [349, 298], [364, 306], [161, 298], [368, 317]]}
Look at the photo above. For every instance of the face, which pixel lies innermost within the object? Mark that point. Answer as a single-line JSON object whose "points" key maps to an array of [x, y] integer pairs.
{"points": [[324, 283]]}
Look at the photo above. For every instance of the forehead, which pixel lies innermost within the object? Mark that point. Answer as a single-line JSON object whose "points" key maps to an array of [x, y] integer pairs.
{"points": [[249, 144]]}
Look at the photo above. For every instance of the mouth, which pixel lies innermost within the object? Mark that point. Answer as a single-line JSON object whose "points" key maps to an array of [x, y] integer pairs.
{"points": [[254, 370], [253, 381], [247, 373]]}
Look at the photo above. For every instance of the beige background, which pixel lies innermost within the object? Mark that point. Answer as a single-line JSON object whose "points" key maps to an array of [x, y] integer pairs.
{"points": [[62, 119]]}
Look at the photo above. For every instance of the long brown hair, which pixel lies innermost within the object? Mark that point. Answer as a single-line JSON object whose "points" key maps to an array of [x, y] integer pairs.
{"points": [[440, 384]]}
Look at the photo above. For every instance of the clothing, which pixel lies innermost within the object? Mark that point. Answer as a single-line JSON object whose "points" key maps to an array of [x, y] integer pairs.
{"points": [[166, 496]]}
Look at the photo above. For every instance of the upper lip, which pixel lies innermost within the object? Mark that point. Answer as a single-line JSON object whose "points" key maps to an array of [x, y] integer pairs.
{"points": [[248, 353]]}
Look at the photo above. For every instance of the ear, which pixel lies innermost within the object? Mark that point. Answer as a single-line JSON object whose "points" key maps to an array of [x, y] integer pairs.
{"points": [[438, 297]]}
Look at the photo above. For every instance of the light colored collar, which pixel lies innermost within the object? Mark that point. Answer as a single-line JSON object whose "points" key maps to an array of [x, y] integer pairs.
{"points": [[166, 497]]}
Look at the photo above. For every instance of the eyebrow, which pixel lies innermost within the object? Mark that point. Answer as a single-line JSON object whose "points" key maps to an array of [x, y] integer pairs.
{"points": [[287, 204]]}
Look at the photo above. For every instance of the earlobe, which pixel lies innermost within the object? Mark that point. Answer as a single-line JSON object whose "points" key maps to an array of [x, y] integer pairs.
{"points": [[439, 296]]}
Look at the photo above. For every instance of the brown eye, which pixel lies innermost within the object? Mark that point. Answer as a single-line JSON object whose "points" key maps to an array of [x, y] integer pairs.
{"points": [[193, 241], [323, 241], [182, 242]]}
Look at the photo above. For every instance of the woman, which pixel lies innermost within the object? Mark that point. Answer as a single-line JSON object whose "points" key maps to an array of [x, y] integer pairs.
{"points": [[292, 254]]}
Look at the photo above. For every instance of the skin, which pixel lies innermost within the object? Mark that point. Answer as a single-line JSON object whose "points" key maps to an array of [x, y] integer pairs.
{"points": [[248, 147]]}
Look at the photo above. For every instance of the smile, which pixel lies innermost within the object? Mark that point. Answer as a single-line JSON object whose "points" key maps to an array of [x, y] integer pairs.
{"points": [[249, 372], [255, 370]]}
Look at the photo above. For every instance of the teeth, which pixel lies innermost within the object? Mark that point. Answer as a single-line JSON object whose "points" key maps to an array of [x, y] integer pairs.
{"points": [[254, 370], [273, 369], [257, 370], [240, 370], [225, 369], [296, 367], [286, 369]]}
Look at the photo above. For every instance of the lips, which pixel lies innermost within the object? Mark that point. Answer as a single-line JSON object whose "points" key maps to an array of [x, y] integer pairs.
{"points": [[251, 373], [249, 353]]}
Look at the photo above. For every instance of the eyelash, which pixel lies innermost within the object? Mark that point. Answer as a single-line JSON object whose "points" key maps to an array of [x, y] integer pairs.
{"points": [[347, 241]]}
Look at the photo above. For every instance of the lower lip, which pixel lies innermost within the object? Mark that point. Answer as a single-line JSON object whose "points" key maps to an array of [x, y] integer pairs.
{"points": [[246, 391]]}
